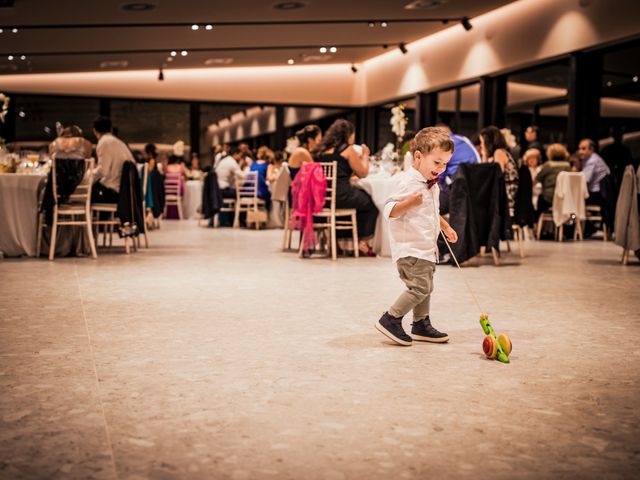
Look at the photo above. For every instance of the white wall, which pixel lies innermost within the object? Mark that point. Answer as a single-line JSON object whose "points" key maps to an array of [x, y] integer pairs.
{"points": [[515, 35]]}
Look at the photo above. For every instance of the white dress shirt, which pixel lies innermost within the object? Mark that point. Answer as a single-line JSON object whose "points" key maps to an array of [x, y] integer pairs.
{"points": [[112, 153], [226, 172], [414, 233], [594, 169]]}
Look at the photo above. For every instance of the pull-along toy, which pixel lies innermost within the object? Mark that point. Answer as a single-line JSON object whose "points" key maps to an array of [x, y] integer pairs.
{"points": [[494, 348]]}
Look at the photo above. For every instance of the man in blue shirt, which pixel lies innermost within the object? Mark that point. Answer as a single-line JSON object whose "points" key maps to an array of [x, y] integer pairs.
{"points": [[594, 169], [463, 152]]}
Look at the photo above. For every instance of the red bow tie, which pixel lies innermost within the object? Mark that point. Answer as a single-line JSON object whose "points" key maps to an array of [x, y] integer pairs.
{"points": [[432, 182]]}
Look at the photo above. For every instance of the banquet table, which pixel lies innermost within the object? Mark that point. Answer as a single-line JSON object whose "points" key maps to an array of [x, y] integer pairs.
{"points": [[19, 194], [379, 186], [192, 198]]}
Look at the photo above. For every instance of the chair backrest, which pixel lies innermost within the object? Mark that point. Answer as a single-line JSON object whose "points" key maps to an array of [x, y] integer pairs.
{"points": [[282, 184], [329, 170], [246, 185], [143, 171], [172, 181], [82, 192]]}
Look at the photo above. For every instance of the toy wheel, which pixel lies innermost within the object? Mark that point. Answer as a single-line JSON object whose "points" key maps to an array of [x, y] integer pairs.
{"points": [[490, 346], [505, 343]]}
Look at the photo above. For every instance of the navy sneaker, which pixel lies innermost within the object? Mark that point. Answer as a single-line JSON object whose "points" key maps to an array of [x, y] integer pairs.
{"points": [[392, 327], [424, 332]]}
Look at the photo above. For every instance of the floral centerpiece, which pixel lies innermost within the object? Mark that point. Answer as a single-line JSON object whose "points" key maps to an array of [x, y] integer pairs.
{"points": [[398, 123], [3, 113]]}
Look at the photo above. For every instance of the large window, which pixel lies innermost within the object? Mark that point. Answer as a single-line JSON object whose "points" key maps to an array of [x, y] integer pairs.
{"points": [[151, 122], [36, 116]]}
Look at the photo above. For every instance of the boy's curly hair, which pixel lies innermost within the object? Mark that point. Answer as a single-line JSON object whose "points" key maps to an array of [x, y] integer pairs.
{"points": [[430, 138]]}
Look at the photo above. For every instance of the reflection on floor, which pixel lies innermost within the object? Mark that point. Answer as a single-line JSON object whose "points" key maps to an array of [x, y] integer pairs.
{"points": [[214, 355]]}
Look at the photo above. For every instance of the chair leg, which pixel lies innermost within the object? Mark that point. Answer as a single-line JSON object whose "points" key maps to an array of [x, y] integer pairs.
{"points": [[579, 230], [539, 227], [179, 208], [92, 243], [604, 232], [146, 240], [561, 233], [494, 254], [54, 232], [521, 242], [625, 256], [39, 239], [354, 232]]}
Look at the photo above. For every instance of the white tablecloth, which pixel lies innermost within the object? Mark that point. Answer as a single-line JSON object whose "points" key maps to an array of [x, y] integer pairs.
{"points": [[379, 186], [192, 198], [19, 213]]}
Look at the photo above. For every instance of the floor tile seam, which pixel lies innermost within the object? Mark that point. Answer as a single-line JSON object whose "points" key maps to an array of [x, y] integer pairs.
{"points": [[95, 372]]}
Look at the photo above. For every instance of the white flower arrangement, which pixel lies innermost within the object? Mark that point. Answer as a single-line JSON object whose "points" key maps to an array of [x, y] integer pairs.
{"points": [[398, 120], [509, 137], [5, 106], [292, 144]]}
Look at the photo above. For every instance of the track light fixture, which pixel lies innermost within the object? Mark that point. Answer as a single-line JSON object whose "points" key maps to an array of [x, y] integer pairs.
{"points": [[403, 48], [466, 23], [354, 69], [160, 75]]}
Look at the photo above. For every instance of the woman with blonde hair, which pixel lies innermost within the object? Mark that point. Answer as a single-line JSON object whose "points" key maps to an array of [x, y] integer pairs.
{"points": [[557, 155]]}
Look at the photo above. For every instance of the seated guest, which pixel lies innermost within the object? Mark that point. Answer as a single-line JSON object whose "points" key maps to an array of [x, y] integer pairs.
{"points": [[532, 159], [494, 149], [548, 174], [337, 145], [575, 162], [194, 172], [275, 166], [112, 153], [594, 169], [71, 144], [531, 135], [308, 137], [265, 156], [226, 171]]}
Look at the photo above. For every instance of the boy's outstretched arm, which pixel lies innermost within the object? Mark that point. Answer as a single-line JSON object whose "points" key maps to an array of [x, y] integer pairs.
{"points": [[449, 232]]}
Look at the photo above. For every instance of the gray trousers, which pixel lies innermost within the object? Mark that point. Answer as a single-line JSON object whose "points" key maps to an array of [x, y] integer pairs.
{"points": [[417, 275]]}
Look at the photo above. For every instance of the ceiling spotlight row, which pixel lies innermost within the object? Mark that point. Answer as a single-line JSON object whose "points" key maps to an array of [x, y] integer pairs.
{"points": [[331, 49], [383, 24], [195, 27], [174, 53], [13, 30], [13, 57]]}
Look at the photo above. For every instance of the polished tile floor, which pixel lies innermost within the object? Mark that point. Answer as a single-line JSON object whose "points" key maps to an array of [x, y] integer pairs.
{"points": [[213, 355]]}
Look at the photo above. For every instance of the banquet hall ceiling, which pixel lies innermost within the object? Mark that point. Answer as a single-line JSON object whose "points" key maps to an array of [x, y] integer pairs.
{"points": [[143, 40]]}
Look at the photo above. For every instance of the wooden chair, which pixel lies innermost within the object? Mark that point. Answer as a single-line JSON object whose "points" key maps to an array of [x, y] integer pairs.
{"points": [[518, 236], [172, 197], [145, 178], [228, 206], [76, 212], [594, 214], [332, 219], [247, 200]]}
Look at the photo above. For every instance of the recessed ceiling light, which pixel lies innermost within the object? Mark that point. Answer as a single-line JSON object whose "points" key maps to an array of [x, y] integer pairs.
{"points": [[195, 27], [289, 5], [10, 57], [635, 79], [218, 61], [21, 114], [209, 27], [14, 30], [137, 6], [424, 4], [609, 83], [291, 61], [184, 53], [173, 53], [333, 49], [1, 31], [384, 24], [23, 57], [372, 24], [323, 49]]}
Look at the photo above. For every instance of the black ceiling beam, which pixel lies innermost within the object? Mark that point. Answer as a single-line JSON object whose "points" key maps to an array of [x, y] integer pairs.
{"points": [[232, 24], [166, 51]]}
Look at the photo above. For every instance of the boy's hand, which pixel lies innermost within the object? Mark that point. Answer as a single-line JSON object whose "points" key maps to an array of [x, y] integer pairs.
{"points": [[414, 199], [450, 233]]}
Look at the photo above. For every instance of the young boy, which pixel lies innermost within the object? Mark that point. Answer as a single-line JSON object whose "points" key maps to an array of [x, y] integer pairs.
{"points": [[414, 225]]}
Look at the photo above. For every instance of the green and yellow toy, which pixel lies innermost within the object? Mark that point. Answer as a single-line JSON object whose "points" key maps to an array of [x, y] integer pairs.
{"points": [[495, 348]]}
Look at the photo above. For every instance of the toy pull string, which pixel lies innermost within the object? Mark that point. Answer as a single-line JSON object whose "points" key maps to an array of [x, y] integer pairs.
{"points": [[463, 275]]}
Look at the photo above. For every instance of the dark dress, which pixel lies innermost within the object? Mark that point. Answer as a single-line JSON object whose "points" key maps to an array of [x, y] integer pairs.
{"points": [[352, 197]]}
